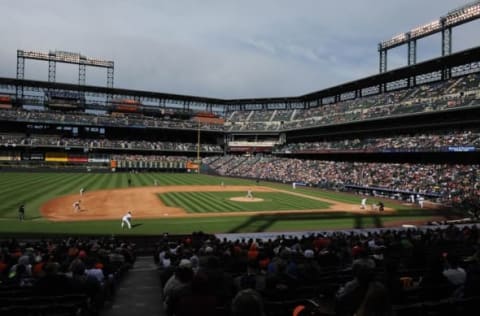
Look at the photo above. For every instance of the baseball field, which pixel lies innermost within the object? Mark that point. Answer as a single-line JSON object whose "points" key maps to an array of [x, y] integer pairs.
{"points": [[183, 203]]}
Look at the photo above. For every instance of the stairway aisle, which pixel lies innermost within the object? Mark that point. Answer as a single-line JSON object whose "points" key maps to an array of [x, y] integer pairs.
{"points": [[139, 293]]}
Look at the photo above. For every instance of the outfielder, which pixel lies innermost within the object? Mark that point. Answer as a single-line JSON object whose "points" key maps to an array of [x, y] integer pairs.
{"points": [[21, 212], [126, 219]]}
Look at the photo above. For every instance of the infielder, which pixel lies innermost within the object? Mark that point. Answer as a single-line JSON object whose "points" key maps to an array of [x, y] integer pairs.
{"points": [[82, 191], [420, 200], [76, 206], [363, 205], [126, 219], [412, 198], [249, 194]]}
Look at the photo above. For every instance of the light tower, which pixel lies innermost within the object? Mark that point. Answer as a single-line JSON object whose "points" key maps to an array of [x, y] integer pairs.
{"points": [[54, 57], [444, 25]]}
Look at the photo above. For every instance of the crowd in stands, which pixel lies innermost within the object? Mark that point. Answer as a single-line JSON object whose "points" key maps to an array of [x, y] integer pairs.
{"points": [[451, 182], [134, 158], [376, 272], [437, 96], [253, 126], [282, 115], [238, 116], [16, 140], [136, 120], [58, 268], [260, 116], [432, 141], [224, 164], [364, 273]]}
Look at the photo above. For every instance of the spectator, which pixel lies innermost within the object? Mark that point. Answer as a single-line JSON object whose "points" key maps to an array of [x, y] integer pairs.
{"points": [[248, 302]]}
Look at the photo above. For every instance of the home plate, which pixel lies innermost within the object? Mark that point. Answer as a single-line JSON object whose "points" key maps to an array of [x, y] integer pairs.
{"points": [[165, 214]]}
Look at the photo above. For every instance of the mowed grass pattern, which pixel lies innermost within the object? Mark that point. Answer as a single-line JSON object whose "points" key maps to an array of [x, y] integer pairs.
{"points": [[207, 202], [34, 189]]}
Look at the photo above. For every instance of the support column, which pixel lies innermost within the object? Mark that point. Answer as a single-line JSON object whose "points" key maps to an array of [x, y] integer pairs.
{"points": [[109, 82], [20, 74], [446, 50], [52, 70], [412, 52], [446, 41], [82, 73], [382, 59], [412, 59], [110, 77]]}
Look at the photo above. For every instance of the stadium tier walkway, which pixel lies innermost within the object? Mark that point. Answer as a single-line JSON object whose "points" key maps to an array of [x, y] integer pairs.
{"points": [[139, 293]]}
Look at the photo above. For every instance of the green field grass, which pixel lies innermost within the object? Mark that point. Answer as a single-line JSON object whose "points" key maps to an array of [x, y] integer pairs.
{"points": [[218, 202], [34, 189]]}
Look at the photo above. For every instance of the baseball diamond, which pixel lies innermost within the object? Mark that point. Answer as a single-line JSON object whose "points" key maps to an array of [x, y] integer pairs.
{"points": [[109, 204], [181, 197]]}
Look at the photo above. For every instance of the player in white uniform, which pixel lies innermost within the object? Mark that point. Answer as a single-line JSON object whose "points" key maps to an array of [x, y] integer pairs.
{"points": [[412, 198], [420, 200], [363, 205], [126, 219], [249, 194], [82, 191], [76, 206]]}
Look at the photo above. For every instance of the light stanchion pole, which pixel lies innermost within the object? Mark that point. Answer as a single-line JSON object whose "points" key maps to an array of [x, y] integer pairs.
{"points": [[198, 148]]}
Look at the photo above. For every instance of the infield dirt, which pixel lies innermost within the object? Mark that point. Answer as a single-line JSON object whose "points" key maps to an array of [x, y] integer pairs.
{"points": [[145, 203]]}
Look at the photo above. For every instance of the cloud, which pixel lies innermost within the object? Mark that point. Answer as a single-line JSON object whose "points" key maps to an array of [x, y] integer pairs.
{"points": [[217, 48]]}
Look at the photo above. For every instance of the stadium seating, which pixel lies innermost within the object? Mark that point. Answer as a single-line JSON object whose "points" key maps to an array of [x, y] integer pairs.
{"points": [[280, 269], [53, 141], [418, 142], [441, 181], [54, 277], [436, 96]]}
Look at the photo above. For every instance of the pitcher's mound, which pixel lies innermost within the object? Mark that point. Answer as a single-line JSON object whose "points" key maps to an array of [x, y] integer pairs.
{"points": [[245, 199]]}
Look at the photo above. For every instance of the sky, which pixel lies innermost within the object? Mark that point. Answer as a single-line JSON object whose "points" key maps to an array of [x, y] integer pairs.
{"points": [[222, 48]]}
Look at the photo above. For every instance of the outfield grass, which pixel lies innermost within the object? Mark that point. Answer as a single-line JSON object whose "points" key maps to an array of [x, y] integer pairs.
{"points": [[34, 189]]}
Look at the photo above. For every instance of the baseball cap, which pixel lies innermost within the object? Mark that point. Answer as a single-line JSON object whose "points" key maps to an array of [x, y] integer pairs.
{"points": [[185, 263], [308, 253]]}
